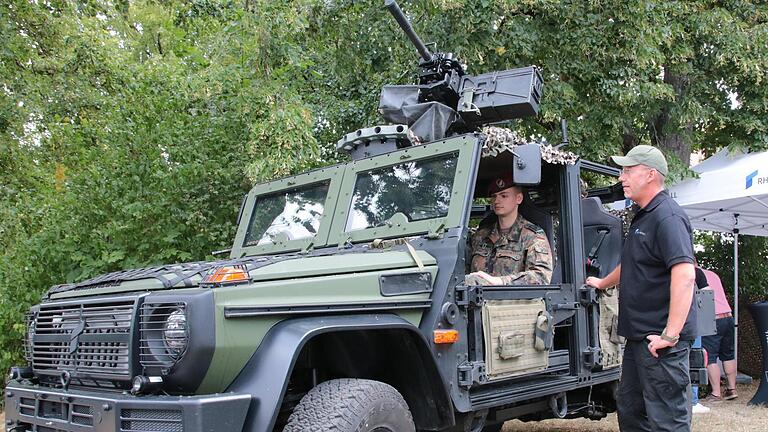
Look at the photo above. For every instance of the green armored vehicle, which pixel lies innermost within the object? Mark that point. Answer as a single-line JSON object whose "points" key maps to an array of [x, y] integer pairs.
{"points": [[343, 305]]}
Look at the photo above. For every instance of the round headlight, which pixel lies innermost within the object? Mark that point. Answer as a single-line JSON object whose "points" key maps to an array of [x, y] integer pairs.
{"points": [[175, 333]]}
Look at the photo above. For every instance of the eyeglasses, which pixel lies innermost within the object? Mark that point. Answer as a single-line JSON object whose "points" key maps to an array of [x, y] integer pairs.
{"points": [[628, 170]]}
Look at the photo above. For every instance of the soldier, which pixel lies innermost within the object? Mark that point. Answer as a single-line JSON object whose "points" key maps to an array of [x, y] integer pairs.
{"points": [[513, 251]]}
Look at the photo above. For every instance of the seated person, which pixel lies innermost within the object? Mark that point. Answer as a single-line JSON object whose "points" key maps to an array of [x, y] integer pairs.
{"points": [[513, 251]]}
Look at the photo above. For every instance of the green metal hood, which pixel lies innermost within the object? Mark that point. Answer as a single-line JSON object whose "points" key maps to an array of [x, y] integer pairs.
{"points": [[260, 268]]}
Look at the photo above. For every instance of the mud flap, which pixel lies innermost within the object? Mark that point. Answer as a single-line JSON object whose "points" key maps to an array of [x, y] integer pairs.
{"points": [[510, 329]]}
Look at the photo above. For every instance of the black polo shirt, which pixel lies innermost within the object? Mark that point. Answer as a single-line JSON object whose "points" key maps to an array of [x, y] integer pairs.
{"points": [[659, 238]]}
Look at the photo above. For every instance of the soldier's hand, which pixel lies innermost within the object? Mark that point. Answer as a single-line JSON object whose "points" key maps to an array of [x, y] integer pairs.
{"points": [[493, 280], [655, 343], [595, 282]]}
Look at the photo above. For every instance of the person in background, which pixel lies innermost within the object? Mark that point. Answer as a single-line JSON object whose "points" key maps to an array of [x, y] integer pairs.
{"points": [[720, 345], [696, 406]]}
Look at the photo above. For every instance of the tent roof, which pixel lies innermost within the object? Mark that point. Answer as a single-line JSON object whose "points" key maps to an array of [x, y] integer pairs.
{"points": [[731, 193]]}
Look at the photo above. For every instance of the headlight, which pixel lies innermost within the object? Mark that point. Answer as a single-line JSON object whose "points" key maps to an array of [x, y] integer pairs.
{"points": [[164, 334], [175, 333]]}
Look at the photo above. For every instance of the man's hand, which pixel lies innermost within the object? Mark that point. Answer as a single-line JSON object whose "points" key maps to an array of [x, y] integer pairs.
{"points": [[610, 280], [595, 282], [655, 343], [493, 280]]}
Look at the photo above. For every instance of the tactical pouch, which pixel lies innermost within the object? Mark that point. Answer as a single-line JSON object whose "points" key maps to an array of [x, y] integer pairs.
{"points": [[610, 341], [511, 345], [615, 338], [509, 329], [543, 333]]}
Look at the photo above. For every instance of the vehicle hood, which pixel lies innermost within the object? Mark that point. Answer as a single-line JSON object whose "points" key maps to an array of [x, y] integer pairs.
{"points": [[259, 268]]}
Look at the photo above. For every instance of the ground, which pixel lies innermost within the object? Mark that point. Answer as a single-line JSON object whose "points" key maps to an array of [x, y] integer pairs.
{"points": [[731, 416]]}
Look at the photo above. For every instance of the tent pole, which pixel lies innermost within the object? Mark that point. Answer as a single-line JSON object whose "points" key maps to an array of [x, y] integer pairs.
{"points": [[736, 295]]}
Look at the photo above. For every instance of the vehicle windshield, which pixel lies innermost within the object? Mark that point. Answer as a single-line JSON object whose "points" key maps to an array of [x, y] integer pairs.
{"points": [[418, 190], [287, 215]]}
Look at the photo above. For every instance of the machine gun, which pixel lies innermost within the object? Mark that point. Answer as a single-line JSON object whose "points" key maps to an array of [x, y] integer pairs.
{"points": [[447, 100]]}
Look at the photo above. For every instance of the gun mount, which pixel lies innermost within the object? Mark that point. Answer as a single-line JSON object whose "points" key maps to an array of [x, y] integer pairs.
{"points": [[448, 101], [440, 72]]}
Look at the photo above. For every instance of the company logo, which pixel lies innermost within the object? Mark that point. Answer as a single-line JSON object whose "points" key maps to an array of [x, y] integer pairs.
{"points": [[749, 179], [638, 232], [754, 179]]}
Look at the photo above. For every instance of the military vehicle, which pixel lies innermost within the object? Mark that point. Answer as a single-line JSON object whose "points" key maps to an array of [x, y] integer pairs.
{"points": [[343, 305]]}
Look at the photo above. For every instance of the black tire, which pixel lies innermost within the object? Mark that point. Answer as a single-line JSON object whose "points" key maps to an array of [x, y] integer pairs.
{"points": [[493, 428], [351, 405]]}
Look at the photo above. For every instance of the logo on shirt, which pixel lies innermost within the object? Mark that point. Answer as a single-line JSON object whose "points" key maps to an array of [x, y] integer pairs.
{"points": [[638, 232]]}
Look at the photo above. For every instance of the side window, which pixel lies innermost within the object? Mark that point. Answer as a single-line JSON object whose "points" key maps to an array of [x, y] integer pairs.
{"points": [[417, 190], [287, 215]]}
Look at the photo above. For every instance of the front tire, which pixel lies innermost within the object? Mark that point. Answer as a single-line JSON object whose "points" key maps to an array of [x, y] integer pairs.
{"points": [[493, 428], [351, 405]]}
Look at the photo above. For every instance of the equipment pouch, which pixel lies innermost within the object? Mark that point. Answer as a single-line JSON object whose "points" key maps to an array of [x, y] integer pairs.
{"points": [[615, 338], [511, 345], [543, 333]]}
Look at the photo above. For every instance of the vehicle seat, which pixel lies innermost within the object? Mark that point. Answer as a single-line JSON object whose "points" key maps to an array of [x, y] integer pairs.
{"points": [[603, 238], [543, 218]]}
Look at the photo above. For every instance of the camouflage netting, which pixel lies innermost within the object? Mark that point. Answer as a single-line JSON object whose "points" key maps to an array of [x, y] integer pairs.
{"points": [[501, 139], [626, 215]]}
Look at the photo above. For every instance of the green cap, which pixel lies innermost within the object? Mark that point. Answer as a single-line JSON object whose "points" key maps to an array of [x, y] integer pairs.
{"points": [[646, 155]]}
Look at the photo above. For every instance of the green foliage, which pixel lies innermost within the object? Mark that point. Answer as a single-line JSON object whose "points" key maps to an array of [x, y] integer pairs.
{"points": [[130, 130], [130, 136], [717, 255]]}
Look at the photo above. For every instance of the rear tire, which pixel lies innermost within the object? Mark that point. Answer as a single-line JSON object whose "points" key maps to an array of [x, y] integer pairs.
{"points": [[351, 405]]}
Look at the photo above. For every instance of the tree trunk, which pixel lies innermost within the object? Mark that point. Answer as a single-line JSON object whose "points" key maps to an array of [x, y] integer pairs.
{"points": [[629, 140], [667, 132]]}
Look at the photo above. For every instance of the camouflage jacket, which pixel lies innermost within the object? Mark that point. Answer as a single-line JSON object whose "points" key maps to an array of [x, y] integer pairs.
{"points": [[520, 256]]}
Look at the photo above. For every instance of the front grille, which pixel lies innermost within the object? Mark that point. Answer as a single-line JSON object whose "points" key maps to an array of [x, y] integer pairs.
{"points": [[29, 319], [82, 415], [87, 339], [47, 429], [155, 420], [27, 406], [56, 410]]}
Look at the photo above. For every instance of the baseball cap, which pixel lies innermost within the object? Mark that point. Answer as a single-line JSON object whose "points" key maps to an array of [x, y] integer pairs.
{"points": [[500, 183], [646, 155]]}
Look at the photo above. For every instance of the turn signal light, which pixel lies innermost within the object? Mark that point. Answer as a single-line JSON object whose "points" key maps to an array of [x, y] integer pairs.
{"points": [[446, 336], [227, 274]]}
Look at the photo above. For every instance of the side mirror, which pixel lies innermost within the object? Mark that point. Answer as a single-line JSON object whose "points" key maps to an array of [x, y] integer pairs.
{"points": [[526, 165]]}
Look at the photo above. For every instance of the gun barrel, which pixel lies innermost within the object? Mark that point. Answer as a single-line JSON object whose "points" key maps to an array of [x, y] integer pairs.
{"points": [[396, 12]]}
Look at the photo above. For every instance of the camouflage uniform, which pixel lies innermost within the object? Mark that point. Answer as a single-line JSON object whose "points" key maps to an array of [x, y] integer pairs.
{"points": [[520, 256]]}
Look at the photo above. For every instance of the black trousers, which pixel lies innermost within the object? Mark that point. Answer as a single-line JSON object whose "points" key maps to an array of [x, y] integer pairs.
{"points": [[655, 393]]}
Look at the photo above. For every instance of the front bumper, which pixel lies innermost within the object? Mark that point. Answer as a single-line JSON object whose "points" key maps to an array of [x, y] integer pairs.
{"points": [[33, 408]]}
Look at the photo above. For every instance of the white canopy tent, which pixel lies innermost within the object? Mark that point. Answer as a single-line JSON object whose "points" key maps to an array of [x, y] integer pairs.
{"points": [[731, 196]]}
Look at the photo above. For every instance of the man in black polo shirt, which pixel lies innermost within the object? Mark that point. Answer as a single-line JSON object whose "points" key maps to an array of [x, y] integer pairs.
{"points": [[656, 314]]}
